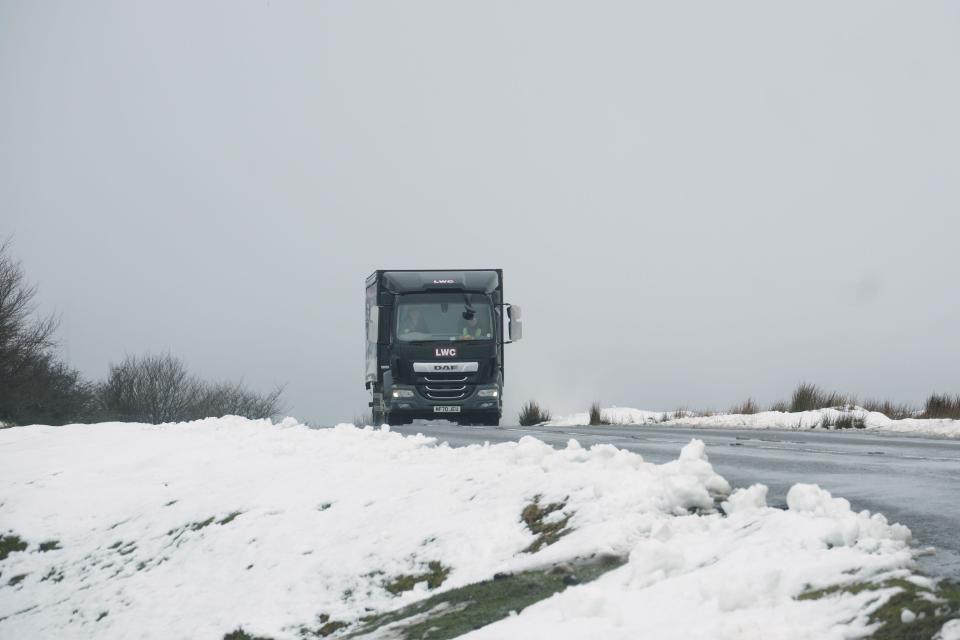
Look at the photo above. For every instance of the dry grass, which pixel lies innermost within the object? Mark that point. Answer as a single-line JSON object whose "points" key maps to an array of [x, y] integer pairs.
{"points": [[890, 409], [596, 416], [843, 421], [534, 515], [780, 405], [942, 405], [434, 576], [747, 407], [809, 397], [532, 414]]}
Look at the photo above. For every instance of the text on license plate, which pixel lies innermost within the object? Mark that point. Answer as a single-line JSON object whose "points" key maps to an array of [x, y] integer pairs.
{"points": [[446, 409]]}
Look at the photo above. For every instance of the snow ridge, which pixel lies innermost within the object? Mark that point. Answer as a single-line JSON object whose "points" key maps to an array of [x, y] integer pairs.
{"points": [[195, 529]]}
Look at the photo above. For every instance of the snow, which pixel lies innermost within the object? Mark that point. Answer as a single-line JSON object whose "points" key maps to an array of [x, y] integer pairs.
{"points": [[323, 518], [874, 421], [949, 631]]}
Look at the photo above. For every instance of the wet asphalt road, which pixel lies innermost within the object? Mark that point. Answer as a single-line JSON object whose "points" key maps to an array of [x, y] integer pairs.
{"points": [[913, 481]]}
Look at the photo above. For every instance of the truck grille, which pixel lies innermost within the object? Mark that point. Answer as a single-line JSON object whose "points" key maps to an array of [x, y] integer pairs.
{"points": [[445, 386]]}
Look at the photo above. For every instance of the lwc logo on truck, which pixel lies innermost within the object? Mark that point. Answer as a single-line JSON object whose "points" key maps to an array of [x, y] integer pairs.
{"points": [[445, 352]]}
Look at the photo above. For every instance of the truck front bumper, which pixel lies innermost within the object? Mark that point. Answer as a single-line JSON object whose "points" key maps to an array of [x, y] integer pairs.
{"points": [[415, 405]]}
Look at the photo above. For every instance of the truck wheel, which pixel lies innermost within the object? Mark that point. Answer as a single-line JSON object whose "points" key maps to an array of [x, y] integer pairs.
{"points": [[491, 421]]}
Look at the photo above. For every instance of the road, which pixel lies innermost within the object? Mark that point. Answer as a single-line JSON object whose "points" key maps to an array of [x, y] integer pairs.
{"points": [[913, 481]]}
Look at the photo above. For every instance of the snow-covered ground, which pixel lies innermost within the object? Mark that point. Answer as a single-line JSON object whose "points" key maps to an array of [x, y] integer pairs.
{"points": [[193, 530], [817, 419]]}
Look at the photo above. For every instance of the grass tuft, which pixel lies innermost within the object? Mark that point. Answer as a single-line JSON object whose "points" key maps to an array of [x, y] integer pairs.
{"points": [[780, 405], [240, 634], [15, 580], [596, 415], [942, 405], [55, 575], [196, 526], [843, 421], [747, 407], [230, 517], [326, 628], [434, 576], [535, 517], [50, 545], [532, 414], [890, 409], [808, 397], [11, 544]]}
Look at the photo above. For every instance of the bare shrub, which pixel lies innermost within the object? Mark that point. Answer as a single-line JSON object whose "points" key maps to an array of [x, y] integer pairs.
{"points": [[232, 398], [151, 388], [35, 386], [747, 407], [596, 415], [158, 388], [532, 414], [22, 335], [50, 392], [942, 405], [808, 397]]}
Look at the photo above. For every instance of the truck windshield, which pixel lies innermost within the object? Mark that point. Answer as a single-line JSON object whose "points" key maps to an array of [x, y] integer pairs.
{"points": [[427, 317]]}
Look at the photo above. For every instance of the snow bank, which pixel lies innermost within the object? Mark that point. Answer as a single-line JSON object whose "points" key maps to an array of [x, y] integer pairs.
{"points": [[819, 418], [192, 530]]}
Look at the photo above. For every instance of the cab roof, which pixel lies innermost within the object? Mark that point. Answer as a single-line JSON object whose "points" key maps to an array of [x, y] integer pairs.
{"points": [[484, 281]]}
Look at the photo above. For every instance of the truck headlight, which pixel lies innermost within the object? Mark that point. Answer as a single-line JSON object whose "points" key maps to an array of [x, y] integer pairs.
{"points": [[488, 393], [402, 393]]}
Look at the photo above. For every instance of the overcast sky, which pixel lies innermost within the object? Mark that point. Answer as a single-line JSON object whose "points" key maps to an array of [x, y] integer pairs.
{"points": [[694, 202]]}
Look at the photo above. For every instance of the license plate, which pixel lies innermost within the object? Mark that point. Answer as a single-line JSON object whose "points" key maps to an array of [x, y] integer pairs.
{"points": [[446, 409]]}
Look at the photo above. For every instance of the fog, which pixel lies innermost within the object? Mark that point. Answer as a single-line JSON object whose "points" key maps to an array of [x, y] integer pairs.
{"points": [[693, 202]]}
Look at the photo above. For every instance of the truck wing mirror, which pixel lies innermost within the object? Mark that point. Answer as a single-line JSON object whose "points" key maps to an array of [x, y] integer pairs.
{"points": [[516, 322]]}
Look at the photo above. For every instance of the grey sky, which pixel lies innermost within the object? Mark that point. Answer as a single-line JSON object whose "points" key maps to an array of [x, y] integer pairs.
{"points": [[693, 201]]}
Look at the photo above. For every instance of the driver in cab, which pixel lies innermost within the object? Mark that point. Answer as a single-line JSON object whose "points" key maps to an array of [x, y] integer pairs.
{"points": [[471, 328]]}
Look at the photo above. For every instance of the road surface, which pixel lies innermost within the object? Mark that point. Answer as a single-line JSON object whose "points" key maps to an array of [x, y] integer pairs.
{"points": [[914, 481]]}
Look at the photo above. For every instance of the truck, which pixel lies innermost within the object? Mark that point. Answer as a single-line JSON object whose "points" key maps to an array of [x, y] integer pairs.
{"points": [[434, 345]]}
